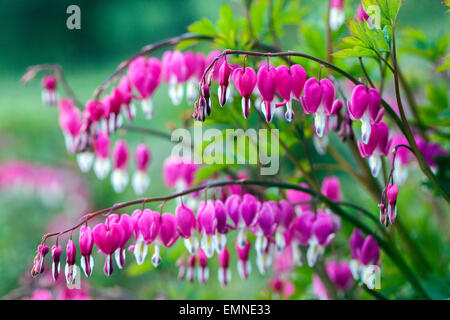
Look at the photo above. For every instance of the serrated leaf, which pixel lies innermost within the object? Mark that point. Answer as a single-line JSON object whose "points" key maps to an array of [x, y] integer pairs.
{"points": [[225, 22], [203, 27]]}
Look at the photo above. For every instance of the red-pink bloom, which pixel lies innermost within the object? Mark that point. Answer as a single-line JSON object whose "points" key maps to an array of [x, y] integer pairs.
{"points": [[319, 99], [70, 123], [211, 56], [71, 256], [86, 242], [119, 177], [38, 265], [207, 226], [331, 188], [102, 164], [224, 76], [108, 237], [127, 95], [365, 105], [224, 272], [244, 266], [340, 274], [282, 288], [203, 270], [56, 257], [145, 75], [186, 225], [391, 191], [49, 93], [296, 197], [267, 80], [179, 172], [377, 146], [140, 180], [174, 72], [244, 80], [127, 224]]}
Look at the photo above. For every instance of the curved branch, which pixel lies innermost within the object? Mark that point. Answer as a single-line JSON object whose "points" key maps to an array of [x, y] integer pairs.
{"points": [[144, 51]]}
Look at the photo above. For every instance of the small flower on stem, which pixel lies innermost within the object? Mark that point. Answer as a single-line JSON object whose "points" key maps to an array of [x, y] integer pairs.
{"points": [[71, 256], [108, 237], [70, 123], [267, 79], [141, 180], [119, 177], [224, 76], [56, 257], [186, 224], [102, 164], [224, 272], [243, 265], [86, 242], [377, 146], [244, 79], [207, 226], [202, 270], [38, 265], [126, 222], [49, 93]]}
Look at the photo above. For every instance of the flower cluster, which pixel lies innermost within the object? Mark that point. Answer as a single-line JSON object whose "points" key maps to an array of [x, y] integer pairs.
{"points": [[275, 226]]}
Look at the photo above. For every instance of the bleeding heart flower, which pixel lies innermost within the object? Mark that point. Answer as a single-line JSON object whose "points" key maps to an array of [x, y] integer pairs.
{"points": [[244, 80], [267, 80], [108, 237], [86, 242]]}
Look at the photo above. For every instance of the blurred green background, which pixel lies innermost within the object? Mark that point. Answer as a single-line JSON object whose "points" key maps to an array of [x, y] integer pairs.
{"points": [[33, 32]]}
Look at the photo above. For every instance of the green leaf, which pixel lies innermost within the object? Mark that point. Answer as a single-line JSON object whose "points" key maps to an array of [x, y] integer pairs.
{"points": [[444, 66], [355, 52], [225, 22], [203, 27]]}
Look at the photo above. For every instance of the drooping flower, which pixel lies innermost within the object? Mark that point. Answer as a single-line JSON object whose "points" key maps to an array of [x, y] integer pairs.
{"points": [[323, 232], [402, 158], [126, 222], [191, 268], [108, 237], [369, 256], [202, 270], [70, 123], [319, 99], [244, 79], [147, 225], [113, 104], [299, 199], [267, 80], [102, 164], [248, 208], [331, 188], [224, 76], [337, 14], [56, 257], [356, 241], [38, 265], [86, 242], [207, 226], [224, 272], [286, 218], [166, 237], [282, 288], [175, 73], [179, 172], [290, 85], [145, 76], [391, 213], [266, 226], [186, 223], [365, 104], [124, 87], [340, 274], [141, 180], [377, 146], [302, 228], [243, 265], [71, 256], [195, 65], [119, 176], [222, 229], [49, 93]]}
